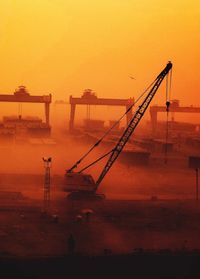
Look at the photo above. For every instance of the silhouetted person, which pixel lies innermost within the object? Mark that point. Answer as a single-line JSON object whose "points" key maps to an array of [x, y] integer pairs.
{"points": [[87, 216], [71, 244]]}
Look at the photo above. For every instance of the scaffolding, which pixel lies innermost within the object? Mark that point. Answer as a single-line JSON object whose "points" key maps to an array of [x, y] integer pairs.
{"points": [[47, 183]]}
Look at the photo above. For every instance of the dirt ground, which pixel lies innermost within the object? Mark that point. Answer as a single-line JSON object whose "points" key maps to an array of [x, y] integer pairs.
{"points": [[148, 225], [113, 227]]}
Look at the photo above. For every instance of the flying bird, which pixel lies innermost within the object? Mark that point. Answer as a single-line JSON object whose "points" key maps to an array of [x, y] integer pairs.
{"points": [[131, 77]]}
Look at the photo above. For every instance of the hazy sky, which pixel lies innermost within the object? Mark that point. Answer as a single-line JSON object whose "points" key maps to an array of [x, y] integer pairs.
{"points": [[64, 46]]}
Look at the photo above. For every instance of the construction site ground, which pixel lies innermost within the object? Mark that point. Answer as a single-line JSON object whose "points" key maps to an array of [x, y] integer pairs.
{"points": [[119, 232], [117, 225]]}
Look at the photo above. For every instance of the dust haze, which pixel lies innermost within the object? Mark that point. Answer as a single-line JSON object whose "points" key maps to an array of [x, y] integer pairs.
{"points": [[172, 180]]}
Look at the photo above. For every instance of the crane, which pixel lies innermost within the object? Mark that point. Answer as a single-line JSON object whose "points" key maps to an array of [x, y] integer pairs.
{"points": [[82, 185]]}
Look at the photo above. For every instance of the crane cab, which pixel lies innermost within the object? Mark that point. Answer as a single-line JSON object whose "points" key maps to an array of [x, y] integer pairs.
{"points": [[79, 182], [81, 186]]}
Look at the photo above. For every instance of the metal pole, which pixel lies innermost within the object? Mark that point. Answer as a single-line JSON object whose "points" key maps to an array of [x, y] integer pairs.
{"points": [[197, 184]]}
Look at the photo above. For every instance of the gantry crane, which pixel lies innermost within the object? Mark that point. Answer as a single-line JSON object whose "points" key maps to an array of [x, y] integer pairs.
{"points": [[89, 98], [21, 95], [174, 108], [82, 185]]}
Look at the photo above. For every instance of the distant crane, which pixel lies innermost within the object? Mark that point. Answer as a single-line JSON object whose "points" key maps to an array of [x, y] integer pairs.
{"points": [[174, 108], [21, 95]]}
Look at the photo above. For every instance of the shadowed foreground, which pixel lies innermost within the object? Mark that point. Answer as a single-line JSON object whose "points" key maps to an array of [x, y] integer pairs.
{"points": [[144, 265]]}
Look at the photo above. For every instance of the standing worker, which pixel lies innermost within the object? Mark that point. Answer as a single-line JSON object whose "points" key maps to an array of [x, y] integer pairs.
{"points": [[71, 244]]}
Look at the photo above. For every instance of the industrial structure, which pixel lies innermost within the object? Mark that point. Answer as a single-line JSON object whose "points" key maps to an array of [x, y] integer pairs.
{"points": [[173, 108], [82, 185], [89, 98], [21, 95], [33, 125]]}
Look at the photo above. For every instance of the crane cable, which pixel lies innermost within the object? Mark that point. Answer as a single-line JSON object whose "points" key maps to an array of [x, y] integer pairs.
{"points": [[19, 110], [107, 132], [168, 98], [170, 84], [96, 161]]}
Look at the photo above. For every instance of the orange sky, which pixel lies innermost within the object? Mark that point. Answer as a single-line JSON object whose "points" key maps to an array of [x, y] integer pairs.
{"points": [[64, 46]]}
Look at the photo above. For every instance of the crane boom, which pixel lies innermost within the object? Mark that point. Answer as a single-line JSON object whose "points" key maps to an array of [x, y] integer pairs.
{"points": [[133, 123]]}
